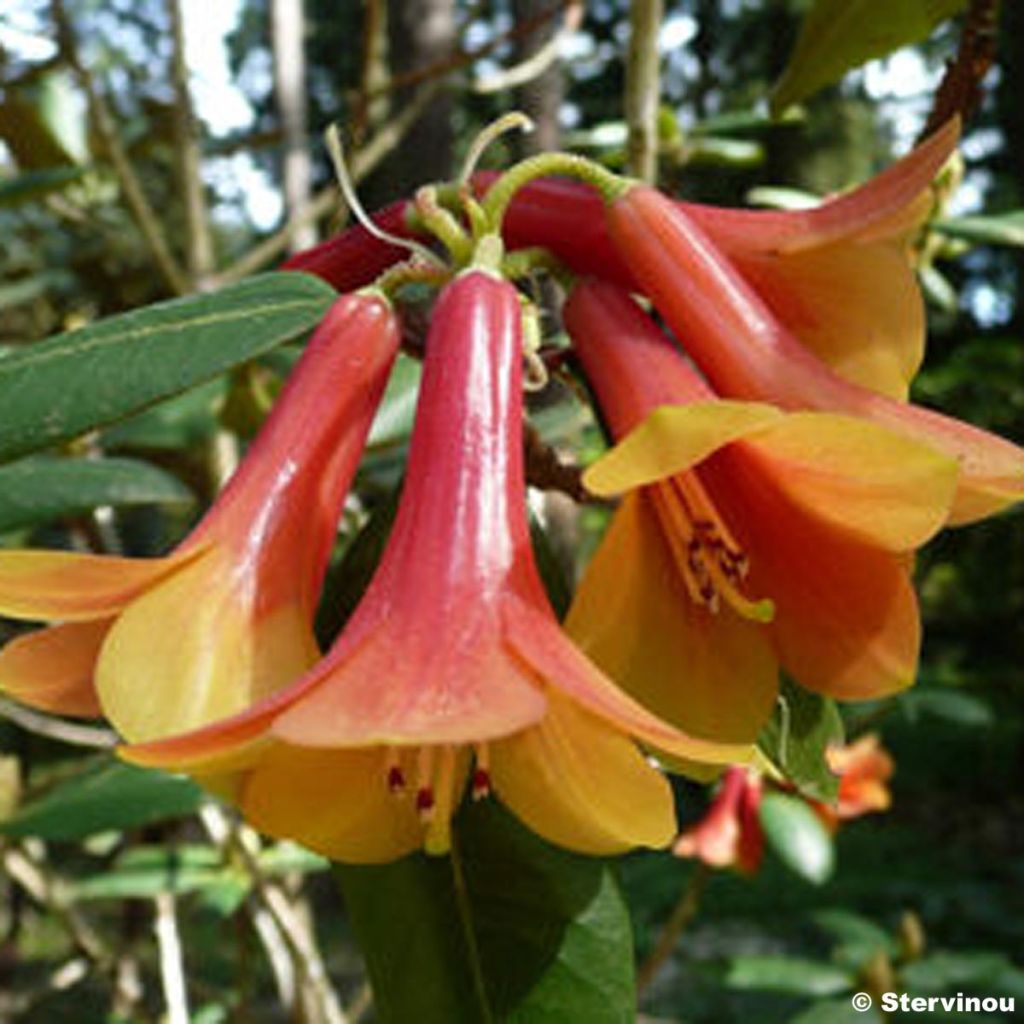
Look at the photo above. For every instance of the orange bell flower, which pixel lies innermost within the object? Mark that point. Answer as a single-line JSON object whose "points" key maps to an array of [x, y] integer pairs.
{"points": [[452, 655], [164, 644], [748, 537], [746, 351]]}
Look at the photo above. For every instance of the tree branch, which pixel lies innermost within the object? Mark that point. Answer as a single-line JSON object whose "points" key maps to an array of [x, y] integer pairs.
{"points": [[643, 88]]}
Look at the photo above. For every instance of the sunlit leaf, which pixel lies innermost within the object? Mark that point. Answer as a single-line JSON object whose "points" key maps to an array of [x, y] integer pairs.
{"points": [[798, 836], [838, 35], [55, 390], [796, 737], [792, 975], [987, 229]]}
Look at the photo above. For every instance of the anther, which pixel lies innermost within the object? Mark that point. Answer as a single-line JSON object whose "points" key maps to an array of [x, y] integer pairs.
{"points": [[481, 787], [395, 775]]}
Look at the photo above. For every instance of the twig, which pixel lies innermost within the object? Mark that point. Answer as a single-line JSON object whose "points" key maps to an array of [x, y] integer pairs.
{"points": [[682, 914], [959, 91], [172, 967], [106, 130], [51, 894], [199, 249], [462, 58], [547, 472], [643, 73], [364, 161], [301, 945], [289, 61], [55, 728], [538, 62]]}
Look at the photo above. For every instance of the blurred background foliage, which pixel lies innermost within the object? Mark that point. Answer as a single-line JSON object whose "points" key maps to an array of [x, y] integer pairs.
{"points": [[112, 876]]}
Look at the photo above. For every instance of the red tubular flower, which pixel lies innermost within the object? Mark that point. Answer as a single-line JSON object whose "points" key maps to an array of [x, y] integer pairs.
{"points": [[748, 537], [453, 652], [730, 834], [837, 276], [226, 618], [355, 258], [747, 352]]}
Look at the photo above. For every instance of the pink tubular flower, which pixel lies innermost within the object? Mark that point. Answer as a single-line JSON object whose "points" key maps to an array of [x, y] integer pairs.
{"points": [[729, 835], [160, 645], [452, 655]]}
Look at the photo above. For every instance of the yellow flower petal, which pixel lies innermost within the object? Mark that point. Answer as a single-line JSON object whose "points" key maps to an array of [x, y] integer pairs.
{"points": [[582, 784], [52, 669], [69, 586], [336, 802], [673, 438], [883, 487], [857, 307], [712, 675], [539, 641], [193, 649]]}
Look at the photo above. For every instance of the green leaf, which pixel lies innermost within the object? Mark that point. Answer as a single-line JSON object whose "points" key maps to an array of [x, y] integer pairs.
{"points": [[43, 487], [951, 705], [835, 1011], [789, 975], [988, 229], [857, 938], [514, 930], [143, 872], [804, 725], [57, 389], [111, 796], [975, 971], [393, 422], [838, 35], [798, 836], [36, 184]]}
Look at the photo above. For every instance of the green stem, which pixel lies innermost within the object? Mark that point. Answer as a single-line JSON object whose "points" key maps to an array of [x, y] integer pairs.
{"points": [[682, 914], [472, 946], [543, 165]]}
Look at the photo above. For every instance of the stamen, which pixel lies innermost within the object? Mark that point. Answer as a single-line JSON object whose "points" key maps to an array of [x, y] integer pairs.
{"points": [[438, 839], [425, 783], [395, 774], [711, 561], [481, 772]]}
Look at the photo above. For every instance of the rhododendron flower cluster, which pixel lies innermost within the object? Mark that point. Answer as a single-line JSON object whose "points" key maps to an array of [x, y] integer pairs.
{"points": [[773, 484]]}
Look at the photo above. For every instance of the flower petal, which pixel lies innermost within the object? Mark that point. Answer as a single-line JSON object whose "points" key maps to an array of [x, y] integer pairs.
{"points": [[52, 669], [856, 306], [673, 438], [540, 642], [879, 485], [713, 675], [411, 689], [335, 802], [193, 650], [846, 619], [582, 784], [70, 586]]}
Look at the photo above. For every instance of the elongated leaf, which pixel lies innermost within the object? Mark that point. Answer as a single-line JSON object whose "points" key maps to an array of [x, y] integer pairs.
{"points": [[796, 737], [43, 487], [533, 935], [61, 387], [112, 796], [798, 836], [36, 184], [987, 229], [792, 975], [838, 35]]}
